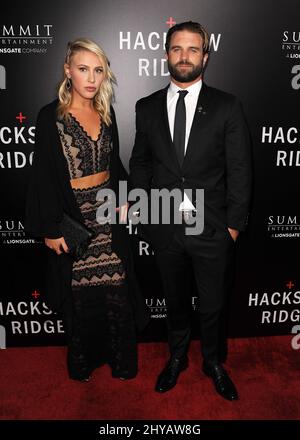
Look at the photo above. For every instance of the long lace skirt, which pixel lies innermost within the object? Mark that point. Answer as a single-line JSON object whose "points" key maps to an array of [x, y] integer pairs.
{"points": [[102, 329]]}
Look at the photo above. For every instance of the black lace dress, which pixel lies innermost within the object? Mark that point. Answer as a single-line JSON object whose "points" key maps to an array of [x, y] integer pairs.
{"points": [[102, 329]]}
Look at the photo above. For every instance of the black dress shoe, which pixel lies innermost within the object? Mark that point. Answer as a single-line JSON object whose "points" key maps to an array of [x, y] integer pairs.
{"points": [[224, 385], [169, 375]]}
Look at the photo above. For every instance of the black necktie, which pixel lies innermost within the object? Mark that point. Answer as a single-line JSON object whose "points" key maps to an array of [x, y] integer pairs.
{"points": [[179, 126]]}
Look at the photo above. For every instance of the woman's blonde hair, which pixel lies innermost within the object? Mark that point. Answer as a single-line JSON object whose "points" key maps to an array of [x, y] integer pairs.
{"points": [[102, 100]]}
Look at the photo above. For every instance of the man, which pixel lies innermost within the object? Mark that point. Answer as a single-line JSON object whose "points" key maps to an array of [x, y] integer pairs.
{"points": [[191, 136]]}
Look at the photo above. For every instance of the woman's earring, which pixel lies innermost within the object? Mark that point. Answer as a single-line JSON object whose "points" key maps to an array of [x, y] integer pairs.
{"points": [[68, 84]]}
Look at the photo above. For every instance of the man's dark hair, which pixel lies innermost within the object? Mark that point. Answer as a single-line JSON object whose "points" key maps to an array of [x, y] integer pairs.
{"points": [[190, 26]]}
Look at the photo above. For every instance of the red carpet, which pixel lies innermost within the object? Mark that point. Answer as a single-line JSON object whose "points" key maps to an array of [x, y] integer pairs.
{"points": [[34, 385]]}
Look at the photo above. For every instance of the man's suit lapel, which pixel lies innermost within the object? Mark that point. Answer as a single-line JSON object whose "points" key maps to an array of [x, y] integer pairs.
{"points": [[199, 120]]}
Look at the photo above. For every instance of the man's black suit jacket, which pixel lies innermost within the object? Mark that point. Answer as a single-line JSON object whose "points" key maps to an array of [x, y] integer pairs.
{"points": [[217, 159]]}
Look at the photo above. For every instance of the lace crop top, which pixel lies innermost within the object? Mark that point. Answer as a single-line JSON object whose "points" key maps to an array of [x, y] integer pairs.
{"points": [[84, 155]]}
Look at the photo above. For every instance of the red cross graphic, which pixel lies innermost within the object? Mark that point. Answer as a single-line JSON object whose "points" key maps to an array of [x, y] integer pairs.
{"points": [[21, 117], [35, 294], [170, 22], [290, 284]]}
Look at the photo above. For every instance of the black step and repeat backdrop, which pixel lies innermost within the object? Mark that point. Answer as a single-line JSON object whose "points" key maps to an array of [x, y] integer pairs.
{"points": [[255, 51]]}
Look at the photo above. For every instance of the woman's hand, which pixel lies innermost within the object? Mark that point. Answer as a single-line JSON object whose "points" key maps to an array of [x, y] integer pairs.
{"points": [[58, 245], [123, 210]]}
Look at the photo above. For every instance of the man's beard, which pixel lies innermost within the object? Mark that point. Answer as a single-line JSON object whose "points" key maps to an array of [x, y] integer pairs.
{"points": [[187, 75]]}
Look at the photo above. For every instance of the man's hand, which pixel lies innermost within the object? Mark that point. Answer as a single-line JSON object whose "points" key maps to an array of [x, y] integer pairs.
{"points": [[58, 245], [234, 233]]}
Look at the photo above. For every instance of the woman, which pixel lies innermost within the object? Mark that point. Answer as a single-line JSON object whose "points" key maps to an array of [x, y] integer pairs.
{"points": [[76, 155]]}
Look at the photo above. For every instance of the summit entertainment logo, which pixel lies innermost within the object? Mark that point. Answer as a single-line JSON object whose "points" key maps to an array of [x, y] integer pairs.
{"points": [[283, 226], [158, 306], [25, 38], [291, 44], [12, 233]]}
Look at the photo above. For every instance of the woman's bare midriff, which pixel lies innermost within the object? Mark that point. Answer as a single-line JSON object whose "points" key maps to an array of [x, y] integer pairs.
{"points": [[88, 181]]}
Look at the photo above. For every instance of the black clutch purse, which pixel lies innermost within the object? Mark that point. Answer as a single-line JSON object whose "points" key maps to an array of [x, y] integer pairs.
{"points": [[77, 236]]}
